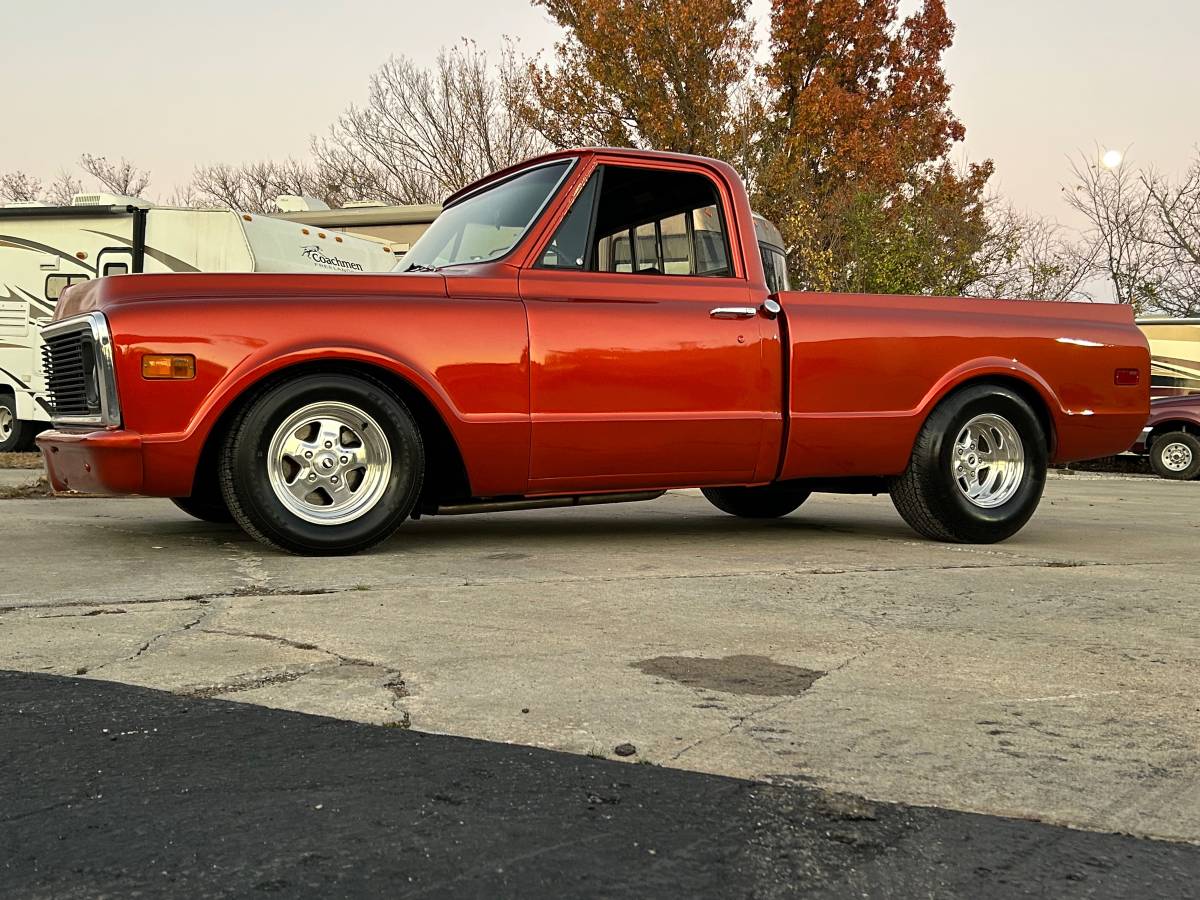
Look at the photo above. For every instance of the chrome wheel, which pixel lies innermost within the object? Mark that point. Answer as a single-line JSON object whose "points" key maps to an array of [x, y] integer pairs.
{"points": [[988, 461], [6, 424], [1175, 456], [329, 463]]}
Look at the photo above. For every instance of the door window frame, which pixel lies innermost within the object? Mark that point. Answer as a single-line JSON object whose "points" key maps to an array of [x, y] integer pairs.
{"points": [[540, 242]]}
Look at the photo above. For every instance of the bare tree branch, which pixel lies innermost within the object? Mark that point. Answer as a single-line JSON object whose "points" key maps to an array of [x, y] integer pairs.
{"points": [[1122, 230], [122, 177]]}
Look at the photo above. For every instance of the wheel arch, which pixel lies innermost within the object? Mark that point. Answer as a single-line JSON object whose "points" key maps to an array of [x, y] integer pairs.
{"points": [[1025, 384], [446, 476], [1170, 425]]}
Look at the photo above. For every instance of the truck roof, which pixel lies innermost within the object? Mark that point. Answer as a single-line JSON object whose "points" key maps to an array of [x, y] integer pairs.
{"points": [[581, 152]]}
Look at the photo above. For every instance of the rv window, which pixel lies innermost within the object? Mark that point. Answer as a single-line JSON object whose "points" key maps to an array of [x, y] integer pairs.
{"points": [[116, 269], [56, 284]]}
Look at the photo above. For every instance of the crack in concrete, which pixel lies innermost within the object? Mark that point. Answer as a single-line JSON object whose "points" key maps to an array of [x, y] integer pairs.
{"points": [[394, 684], [256, 591], [249, 683], [234, 594], [739, 722], [145, 647]]}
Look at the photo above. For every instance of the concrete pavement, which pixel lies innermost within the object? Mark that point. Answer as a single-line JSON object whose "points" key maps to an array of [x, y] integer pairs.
{"points": [[1051, 677]]}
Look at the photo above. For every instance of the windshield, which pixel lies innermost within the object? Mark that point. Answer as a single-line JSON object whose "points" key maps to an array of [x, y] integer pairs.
{"points": [[486, 225]]}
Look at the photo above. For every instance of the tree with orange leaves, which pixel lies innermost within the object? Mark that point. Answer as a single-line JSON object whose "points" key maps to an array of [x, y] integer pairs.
{"points": [[842, 135], [641, 73], [853, 158]]}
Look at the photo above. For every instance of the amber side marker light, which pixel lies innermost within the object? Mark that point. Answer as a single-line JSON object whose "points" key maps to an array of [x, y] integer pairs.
{"points": [[159, 366], [1127, 377]]}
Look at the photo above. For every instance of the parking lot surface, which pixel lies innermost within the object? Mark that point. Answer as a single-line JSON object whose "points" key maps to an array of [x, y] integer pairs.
{"points": [[1053, 677]]}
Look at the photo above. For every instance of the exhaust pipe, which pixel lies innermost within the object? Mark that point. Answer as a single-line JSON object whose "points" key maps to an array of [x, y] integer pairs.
{"points": [[486, 506]]}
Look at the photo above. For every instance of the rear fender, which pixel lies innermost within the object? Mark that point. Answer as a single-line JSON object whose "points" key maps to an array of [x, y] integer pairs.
{"points": [[999, 369]]}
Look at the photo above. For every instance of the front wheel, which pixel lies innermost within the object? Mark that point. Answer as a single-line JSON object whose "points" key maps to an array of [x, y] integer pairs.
{"points": [[1176, 456], [769, 501], [977, 470], [322, 465]]}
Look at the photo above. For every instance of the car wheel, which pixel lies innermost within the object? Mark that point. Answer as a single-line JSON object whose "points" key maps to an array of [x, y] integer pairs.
{"points": [[977, 470], [322, 464], [205, 508], [14, 434], [1176, 455], [767, 502]]}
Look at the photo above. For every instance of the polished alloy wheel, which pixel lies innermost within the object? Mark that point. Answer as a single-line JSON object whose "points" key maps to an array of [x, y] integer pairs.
{"points": [[329, 463], [6, 424], [988, 461], [1175, 456]]}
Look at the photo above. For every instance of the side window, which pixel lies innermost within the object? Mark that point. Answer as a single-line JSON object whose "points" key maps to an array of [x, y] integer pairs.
{"points": [[116, 269], [644, 221], [56, 284], [568, 248]]}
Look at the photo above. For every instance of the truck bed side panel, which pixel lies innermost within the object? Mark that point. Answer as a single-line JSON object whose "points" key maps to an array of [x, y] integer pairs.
{"points": [[867, 370]]}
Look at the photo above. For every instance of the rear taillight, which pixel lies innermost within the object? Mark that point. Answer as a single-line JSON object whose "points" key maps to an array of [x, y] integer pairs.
{"points": [[1127, 377]]}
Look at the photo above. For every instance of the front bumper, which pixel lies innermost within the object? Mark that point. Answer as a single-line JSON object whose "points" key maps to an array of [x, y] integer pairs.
{"points": [[1142, 444], [93, 462]]}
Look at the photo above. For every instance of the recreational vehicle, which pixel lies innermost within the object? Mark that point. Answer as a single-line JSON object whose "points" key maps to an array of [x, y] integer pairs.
{"points": [[46, 249], [1175, 355]]}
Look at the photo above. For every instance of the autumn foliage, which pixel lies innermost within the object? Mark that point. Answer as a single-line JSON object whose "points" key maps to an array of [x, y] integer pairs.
{"points": [[642, 73], [843, 133]]}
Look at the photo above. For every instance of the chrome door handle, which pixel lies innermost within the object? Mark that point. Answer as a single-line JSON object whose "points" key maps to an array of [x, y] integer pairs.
{"points": [[733, 312]]}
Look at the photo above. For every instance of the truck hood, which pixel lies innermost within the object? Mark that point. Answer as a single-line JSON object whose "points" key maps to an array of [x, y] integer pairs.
{"points": [[117, 290]]}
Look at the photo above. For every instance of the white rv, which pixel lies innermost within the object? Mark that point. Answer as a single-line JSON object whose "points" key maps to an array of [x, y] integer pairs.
{"points": [[45, 249]]}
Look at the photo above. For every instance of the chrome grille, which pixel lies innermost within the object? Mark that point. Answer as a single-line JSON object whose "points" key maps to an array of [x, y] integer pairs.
{"points": [[77, 359]]}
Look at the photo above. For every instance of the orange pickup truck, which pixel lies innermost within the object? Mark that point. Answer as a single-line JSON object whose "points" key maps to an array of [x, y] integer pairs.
{"points": [[591, 326]]}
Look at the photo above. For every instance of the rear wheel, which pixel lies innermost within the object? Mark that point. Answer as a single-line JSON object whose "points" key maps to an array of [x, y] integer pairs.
{"points": [[977, 470], [1176, 455], [766, 502], [322, 464]]}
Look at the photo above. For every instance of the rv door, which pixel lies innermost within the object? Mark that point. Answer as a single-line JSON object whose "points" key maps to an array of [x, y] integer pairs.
{"points": [[114, 261]]}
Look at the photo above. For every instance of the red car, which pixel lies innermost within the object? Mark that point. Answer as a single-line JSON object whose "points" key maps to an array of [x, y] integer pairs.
{"points": [[1172, 437], [587, 327]]}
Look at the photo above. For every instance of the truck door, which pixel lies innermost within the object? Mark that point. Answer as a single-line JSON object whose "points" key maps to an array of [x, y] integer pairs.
{"points": [[647, 350]]}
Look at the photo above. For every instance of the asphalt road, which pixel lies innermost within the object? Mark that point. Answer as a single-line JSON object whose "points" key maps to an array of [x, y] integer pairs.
{"points": [[1049, 678], [119, 791]]}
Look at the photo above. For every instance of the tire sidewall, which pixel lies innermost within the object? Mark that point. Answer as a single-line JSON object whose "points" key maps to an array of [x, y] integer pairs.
{"points": [[964, 519], [247, 456]]}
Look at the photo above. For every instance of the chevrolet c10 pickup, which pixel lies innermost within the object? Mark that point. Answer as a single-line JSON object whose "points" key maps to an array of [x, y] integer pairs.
{"points": [[590, 326]]}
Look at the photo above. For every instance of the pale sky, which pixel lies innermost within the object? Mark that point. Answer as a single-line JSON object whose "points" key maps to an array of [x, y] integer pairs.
{"points": [[172, 84]]}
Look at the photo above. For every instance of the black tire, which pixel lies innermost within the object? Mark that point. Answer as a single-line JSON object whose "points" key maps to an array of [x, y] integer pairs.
{"points": [[769, 501], [244, 471], [1169, 450], [928, 496], [205, 508], [16, 434]]}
